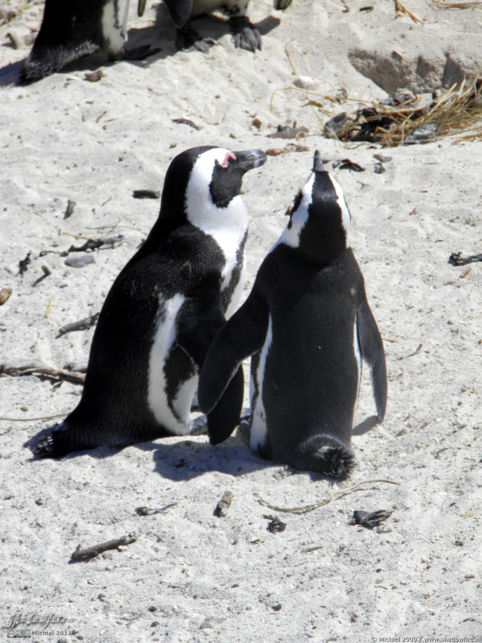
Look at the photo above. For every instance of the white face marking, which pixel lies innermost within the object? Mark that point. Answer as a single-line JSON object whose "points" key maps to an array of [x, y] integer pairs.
{"points": [[291, 235], [345, 212], [258, 415], [356, 350], [226, 225], [113, 28], [164, 337]]}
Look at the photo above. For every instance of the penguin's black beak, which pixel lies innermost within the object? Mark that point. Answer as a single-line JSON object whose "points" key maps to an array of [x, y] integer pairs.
{"points": [[141, 5], [249, 159], [318, 163], [281, 4]]}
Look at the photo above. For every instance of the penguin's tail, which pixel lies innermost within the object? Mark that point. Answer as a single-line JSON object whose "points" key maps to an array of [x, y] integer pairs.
{"points": [[327, 455], [45, 60]]}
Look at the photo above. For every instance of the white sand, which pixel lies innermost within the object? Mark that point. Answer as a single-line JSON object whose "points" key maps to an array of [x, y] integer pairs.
{"points": [[191, 576]]}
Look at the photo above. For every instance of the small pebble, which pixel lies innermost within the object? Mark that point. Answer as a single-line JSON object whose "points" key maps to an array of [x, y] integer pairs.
{"points": [[306, 82], [79, 260]]}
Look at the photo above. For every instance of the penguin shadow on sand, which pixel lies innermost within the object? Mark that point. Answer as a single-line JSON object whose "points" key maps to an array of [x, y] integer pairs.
{"points": [[146, 44]]}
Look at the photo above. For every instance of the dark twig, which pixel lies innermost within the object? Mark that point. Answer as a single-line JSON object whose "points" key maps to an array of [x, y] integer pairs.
{"points": [[82, 324], [90, 552], [415, 352], [369, 519], [53, 375], [69, 210], [186, 121], [456, 259], [46, 272], [147, 511], [94, 244], [23, 264], [146, 194]]}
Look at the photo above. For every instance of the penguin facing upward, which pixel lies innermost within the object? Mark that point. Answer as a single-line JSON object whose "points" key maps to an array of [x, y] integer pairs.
{"points": [[163, 310], [307, 324], [245, 34], [72, 29]]}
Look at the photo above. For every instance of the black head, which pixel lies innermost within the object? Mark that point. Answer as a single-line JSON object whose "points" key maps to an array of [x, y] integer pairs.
{"points": [[201, 179], [319, 217]]}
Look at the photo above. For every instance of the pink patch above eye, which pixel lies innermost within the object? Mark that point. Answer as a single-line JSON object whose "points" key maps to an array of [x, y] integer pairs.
{"points": [[229, 155]]}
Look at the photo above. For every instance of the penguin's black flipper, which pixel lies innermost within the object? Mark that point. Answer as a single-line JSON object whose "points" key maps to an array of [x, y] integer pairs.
{"points": [[180, 11], [242, 336], [226, 415], [245, 34], [371, 348]]}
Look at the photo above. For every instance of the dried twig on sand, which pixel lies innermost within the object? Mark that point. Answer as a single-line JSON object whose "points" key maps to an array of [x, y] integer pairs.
{"points": [[90, 552], [402, 120], [401, 10], [360, 486], [54, 375]]}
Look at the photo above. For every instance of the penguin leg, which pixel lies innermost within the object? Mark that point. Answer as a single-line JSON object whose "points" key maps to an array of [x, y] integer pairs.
{"points": [[245, 34], [188, 37], [371, 348]]}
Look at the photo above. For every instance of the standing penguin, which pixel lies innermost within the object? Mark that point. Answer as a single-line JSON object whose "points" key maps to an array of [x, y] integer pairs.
{"points": [[245, 34], [307, 324], [163, 310], [72, 29]]}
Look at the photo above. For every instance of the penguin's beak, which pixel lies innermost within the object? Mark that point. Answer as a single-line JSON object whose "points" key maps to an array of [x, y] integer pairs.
{"points": [[249, 159], [281, 4], [141, 5], [318, 163]]}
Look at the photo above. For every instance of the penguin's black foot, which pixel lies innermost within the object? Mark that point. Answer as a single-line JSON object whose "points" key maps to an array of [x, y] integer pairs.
{"points": [[188, 37], [245, 34], [49, 445], [199, 426], [140, 53], [324, 454]]}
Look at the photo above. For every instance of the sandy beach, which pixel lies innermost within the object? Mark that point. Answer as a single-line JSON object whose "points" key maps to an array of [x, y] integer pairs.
{"points": [[190, 575]]}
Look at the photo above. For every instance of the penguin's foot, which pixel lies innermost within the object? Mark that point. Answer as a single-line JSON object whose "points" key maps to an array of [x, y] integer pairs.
{"points": [[140, 53], [325, 454], [188, 37], [199, 426], [245, 34], [50, 446]]}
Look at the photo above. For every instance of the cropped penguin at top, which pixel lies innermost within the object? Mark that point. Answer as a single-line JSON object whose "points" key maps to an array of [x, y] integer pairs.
{"points": [[162, 312], [72, 29], [307, 325], [245, 34]]}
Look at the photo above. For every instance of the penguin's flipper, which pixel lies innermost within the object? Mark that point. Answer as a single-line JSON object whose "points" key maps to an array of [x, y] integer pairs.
{"points": [[243, 335], [180, 11], [226, 415], [371, 348]]}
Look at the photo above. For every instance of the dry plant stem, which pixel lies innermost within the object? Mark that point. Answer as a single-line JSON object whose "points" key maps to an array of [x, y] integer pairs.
{"points": [[360, 486], [90, 552], [401, 10], [443, 4], [55, 375]]}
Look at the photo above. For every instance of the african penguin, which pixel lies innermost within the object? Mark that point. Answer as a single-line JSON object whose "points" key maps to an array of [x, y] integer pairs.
{"points": [[163, 310], [307, 325], [245, 34], [72, 29]]}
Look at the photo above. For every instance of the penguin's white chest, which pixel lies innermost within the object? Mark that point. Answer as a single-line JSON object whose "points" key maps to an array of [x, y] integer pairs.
{"points": [[114, 24], [173, 413], [259, 427]]}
